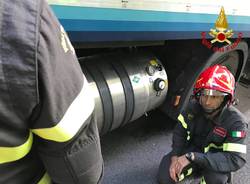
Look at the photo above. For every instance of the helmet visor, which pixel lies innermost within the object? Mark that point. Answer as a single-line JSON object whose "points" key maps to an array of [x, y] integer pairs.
{"points": [[210, 92]]}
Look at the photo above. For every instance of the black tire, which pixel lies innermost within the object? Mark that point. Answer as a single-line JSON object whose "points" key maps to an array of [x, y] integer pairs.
{"points": [[245, 78], [192, 61], [234, 60]]}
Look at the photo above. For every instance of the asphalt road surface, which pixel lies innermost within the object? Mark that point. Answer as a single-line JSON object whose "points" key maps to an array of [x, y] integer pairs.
{"points": [[133, 153]]}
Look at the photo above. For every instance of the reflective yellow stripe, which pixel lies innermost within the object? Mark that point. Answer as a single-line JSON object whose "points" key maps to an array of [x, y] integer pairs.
{"points": [[45, 179], [181, 119], [241, 148], [212, 145], [203, 180], [190, 170], [184, 125], [10, 154], [77, 113], [182, 176]]}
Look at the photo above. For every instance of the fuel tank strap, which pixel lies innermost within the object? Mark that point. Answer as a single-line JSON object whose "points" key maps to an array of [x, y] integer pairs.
{"points": [[128, 91], [104, 94]]}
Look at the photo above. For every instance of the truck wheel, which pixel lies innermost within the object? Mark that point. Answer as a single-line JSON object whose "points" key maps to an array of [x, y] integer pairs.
{"points": [[193, 63], [245, 79], [234, 60]]}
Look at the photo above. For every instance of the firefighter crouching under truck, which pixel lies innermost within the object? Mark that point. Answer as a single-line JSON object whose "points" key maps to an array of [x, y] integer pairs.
{"points": [[47, 131], [210, 135]]}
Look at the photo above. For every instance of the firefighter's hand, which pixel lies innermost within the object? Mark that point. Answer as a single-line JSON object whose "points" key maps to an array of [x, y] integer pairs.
{"points": [[172, 168], [181, 163]]}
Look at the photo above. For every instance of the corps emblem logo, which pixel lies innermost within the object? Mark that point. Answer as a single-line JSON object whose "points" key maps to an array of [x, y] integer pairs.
{"points": [[221, 34]]}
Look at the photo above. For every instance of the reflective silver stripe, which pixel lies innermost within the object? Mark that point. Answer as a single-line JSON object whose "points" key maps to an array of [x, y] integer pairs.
{"points": [[188, 135], [181, 119], [77, 113], [241, 148], [211, 92], [45, 179], [10, 154]]}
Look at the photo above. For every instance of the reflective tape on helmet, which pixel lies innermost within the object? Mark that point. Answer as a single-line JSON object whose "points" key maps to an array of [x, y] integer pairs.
{"points": [[10, 154], [241, 148], [45, 179], [181, 119], [78, 112]]}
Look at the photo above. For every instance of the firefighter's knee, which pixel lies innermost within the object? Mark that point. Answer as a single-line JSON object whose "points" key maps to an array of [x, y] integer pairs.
{"points": [[163, 176], [215, 177]]}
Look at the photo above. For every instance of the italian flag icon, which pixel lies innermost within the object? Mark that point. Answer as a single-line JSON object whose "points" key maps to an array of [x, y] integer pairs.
{"points": [[238, 133]]}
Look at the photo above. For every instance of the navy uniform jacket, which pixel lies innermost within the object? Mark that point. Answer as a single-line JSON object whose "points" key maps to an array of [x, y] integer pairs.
{"points": [[46, 124], [218, 145]]}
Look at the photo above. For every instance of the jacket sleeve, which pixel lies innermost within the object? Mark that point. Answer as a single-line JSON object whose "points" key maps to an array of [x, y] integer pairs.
{"points": [[64, 95], [179, 136], [67, 137], [231, 157]]}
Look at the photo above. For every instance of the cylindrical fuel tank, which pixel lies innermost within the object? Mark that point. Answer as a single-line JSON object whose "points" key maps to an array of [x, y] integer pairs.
{"points": [[125, 86]]}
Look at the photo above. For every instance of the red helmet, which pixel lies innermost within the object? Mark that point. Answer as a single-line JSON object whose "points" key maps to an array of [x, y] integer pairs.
{"points": [[216, 78]]}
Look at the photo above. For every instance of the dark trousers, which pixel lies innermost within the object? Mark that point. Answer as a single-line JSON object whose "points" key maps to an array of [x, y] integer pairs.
{"points": [[209, 176]]}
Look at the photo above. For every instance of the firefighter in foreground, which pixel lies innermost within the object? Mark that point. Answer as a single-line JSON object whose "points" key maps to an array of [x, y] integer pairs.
{"points": [[209, 137], [47, 131]]}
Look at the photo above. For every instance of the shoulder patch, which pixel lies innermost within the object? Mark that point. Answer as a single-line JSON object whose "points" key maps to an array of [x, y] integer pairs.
{"points": [[220, 131], [238, 134]]}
